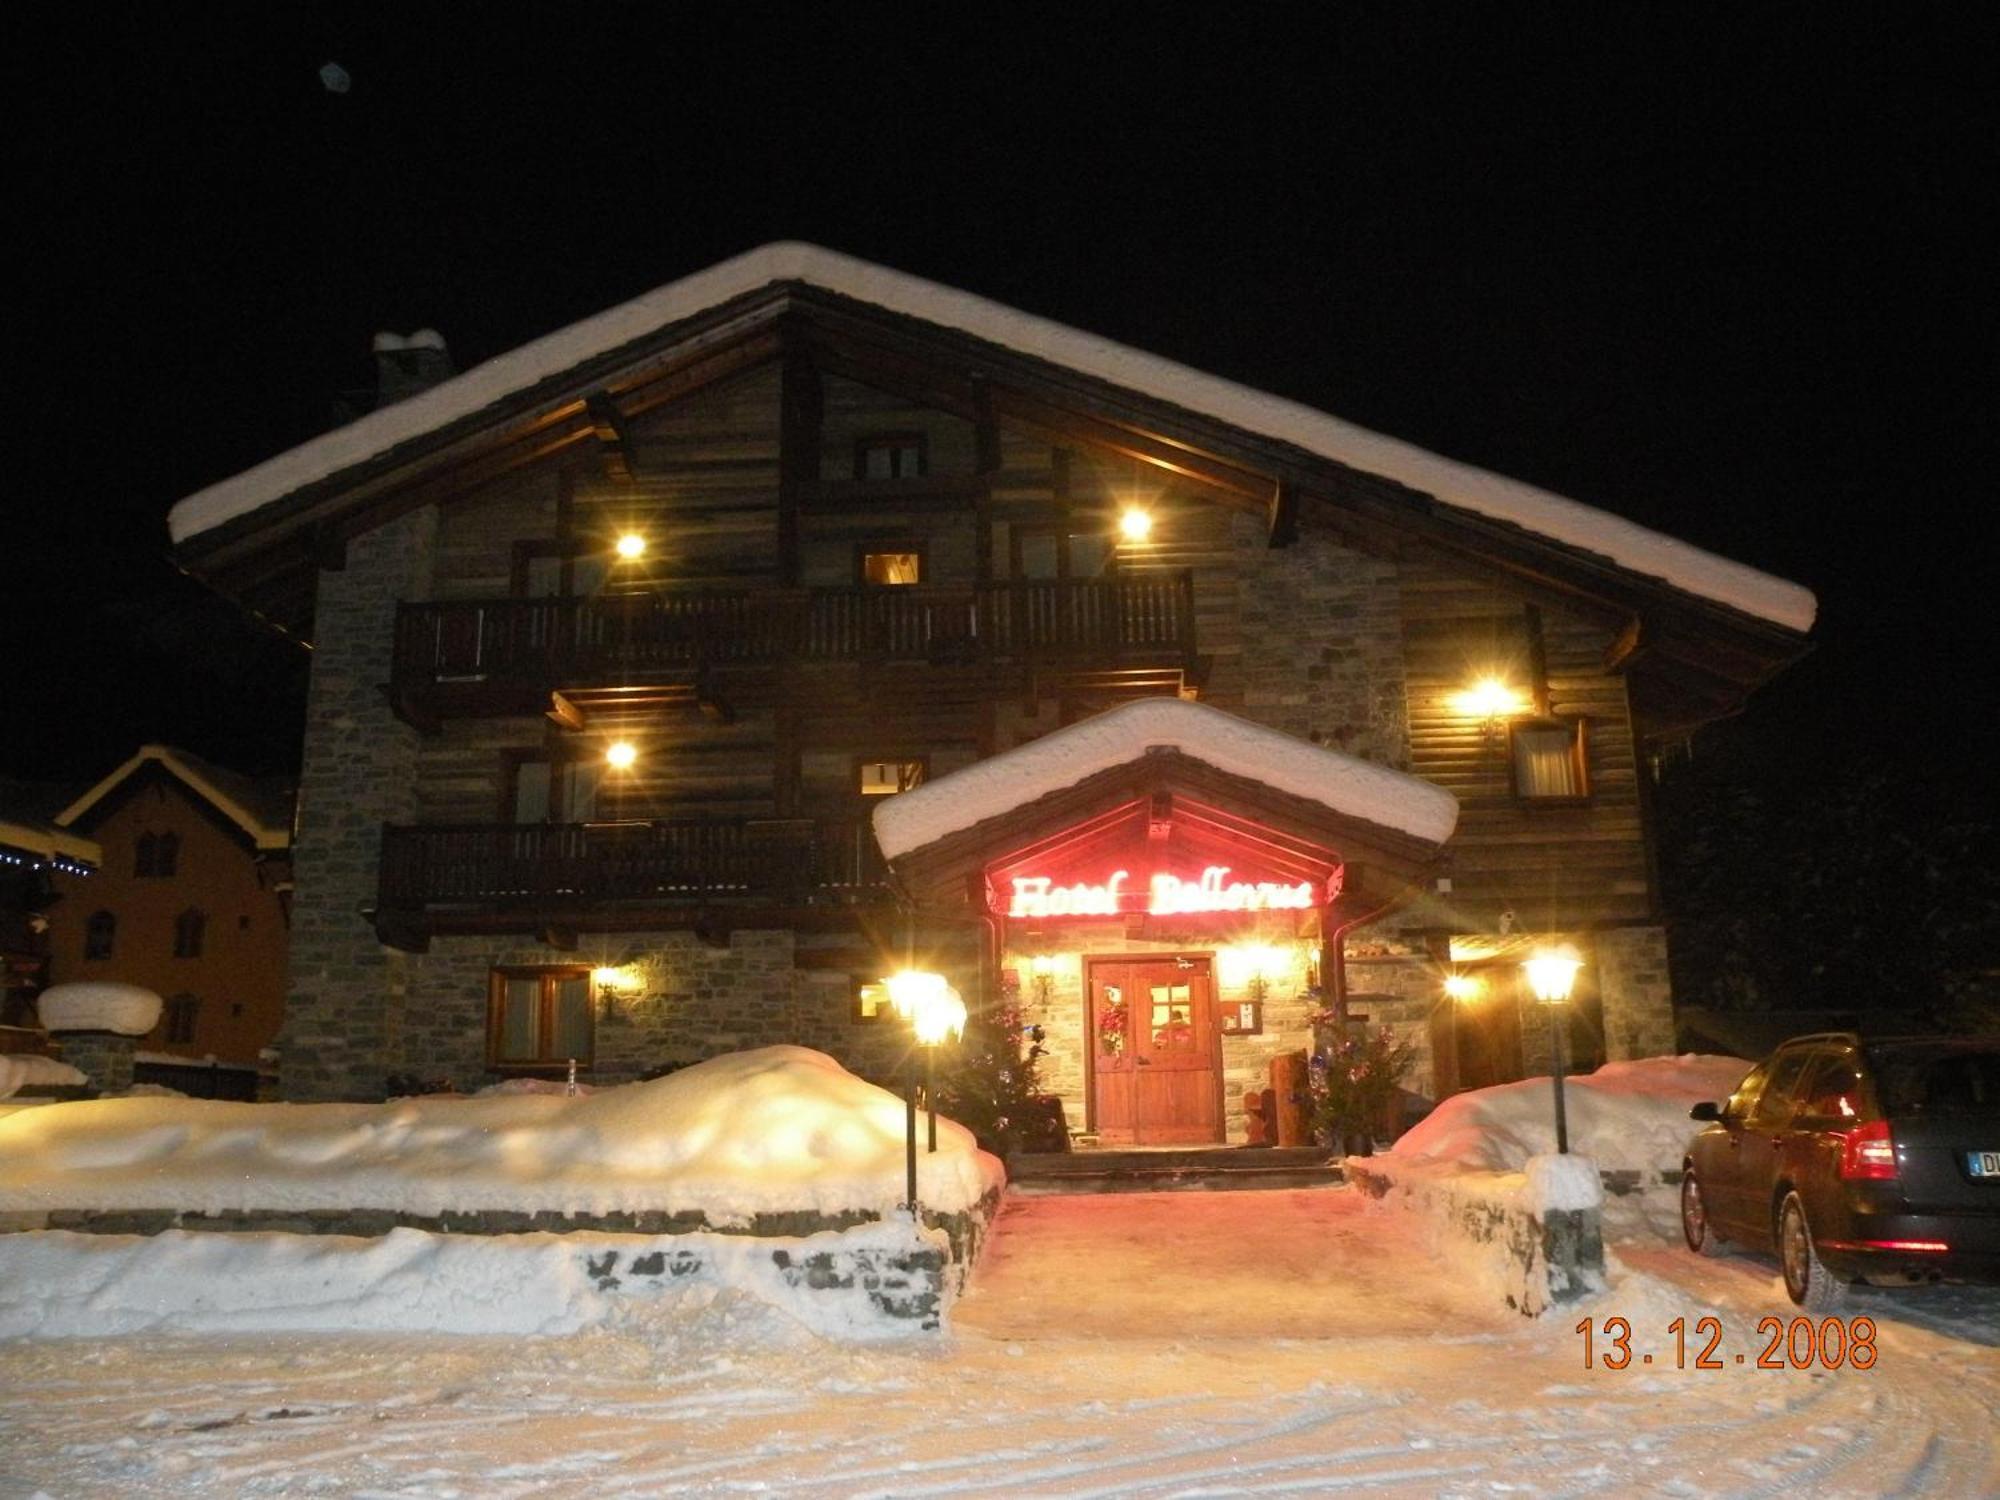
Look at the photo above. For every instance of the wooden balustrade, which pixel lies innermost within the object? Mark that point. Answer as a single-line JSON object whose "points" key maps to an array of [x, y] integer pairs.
{"points": [[550, 866], [624, 637]]}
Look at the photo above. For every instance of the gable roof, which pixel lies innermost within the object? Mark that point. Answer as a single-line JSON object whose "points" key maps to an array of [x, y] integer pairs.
{"points": [[997, 786], [1495, 497], [260, 807]]}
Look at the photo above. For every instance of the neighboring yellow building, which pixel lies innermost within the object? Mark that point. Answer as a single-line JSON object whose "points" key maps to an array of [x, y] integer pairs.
{"points": [[191, 899]]}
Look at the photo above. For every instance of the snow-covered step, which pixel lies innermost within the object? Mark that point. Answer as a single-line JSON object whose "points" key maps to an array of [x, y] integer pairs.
{"points": [[1206, 1169]]}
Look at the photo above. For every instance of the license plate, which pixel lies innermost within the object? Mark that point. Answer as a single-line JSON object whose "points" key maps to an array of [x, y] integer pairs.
{"points": [[1983, 1163]]}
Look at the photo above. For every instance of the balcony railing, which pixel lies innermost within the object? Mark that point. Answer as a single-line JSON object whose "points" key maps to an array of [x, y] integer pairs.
{"points": [[551, 643], [547, 868]]}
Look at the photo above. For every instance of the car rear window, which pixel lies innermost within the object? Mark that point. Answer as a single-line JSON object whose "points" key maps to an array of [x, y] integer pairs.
{"points": [[1938, 1080]]}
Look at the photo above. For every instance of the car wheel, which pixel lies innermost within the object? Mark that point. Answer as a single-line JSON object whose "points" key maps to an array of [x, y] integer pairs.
{"points": [[1695, 1226], [1807, 1280]]}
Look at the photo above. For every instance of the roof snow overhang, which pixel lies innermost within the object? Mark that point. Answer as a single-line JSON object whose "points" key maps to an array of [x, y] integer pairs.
{"points": [[226, 792], [1707, 629], [41, 841], [1222, 785]]}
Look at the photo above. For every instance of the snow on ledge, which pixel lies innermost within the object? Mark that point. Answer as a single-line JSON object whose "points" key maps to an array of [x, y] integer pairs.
{"points": [[99, 1005], [776, 1130], [991, 788], [1493, 495]]}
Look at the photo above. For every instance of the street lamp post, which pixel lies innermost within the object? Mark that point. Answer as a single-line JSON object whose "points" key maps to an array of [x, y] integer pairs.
{"points": [[936, 1013], [1551, 975]]}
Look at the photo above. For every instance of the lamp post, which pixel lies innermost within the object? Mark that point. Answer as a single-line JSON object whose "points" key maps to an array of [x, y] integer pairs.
{"points": [[1551, 974], [940, 1017]]}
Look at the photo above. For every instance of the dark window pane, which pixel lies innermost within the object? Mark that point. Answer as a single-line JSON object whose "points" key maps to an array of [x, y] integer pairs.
{"points": [[1939, 1080], [1774, 1105]]}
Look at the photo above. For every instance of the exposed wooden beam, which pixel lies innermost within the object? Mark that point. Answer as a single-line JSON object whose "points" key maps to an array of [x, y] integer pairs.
{"points": [[1282, 525], [614, 437]]}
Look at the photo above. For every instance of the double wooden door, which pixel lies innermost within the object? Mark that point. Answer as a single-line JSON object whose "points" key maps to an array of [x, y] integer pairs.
{"points": [[1156, 1057]]}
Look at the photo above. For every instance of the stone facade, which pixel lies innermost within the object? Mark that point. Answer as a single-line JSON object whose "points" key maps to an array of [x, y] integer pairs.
{"points": [[343, 1007], [103, 1057], [1636, 992]]}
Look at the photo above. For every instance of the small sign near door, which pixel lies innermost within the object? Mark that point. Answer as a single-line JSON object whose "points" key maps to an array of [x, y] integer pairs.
{"points": [[1243, 1018]]}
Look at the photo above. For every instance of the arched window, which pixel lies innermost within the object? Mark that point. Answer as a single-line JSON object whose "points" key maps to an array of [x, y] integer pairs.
{"points": [[182, 1012], [158, 853], [100, 933], [189, 928]]}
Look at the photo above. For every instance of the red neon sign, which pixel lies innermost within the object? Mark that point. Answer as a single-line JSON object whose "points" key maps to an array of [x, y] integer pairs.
{"points": [[1163, 895]]}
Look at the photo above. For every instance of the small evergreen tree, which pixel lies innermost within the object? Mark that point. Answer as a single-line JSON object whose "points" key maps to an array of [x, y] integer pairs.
{"points": [[1354, 1081], [993, 1085]]}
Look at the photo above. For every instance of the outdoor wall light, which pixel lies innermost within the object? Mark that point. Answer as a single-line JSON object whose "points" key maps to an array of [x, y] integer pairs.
{"points": [[1551, 975], [631, 546], [1135, 525], [611, 979], [1043, 968], [1463, 987], [1490, 699], [621, 755]]}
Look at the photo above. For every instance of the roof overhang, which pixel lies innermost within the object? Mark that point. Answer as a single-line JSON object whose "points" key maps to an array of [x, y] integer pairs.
{"points": [[263, 836]]}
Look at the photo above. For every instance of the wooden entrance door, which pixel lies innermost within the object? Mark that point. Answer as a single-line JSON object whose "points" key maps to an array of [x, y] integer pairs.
{"points": [[1156, 1056]]}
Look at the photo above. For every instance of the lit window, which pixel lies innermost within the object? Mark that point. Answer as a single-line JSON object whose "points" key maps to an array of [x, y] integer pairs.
{"points": [[189, 929], [891, 569], [885, 778], [100, 934], [871, 1000], [1549, 760], [539, 1018], [891, 455]]}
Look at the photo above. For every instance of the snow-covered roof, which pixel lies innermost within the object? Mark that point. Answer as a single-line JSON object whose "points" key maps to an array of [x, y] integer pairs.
{"points": [[261, 809], [991, 788], [45, 842], [1625, 542]]}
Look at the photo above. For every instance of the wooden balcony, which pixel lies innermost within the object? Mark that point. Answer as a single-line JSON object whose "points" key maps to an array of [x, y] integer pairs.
{"points": [[498, 656], [557, 879]]}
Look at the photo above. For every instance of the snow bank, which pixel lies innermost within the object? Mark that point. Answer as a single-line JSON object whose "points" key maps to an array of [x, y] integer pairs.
{"points": [[1488, 494], [993, 788], [777, 1130], [1627, 1116], [99, 1005], [23, 1070], [69, 1285]]}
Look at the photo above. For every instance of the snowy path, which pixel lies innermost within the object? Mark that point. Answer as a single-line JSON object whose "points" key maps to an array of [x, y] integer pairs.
{"points": [[1130, 1346]]}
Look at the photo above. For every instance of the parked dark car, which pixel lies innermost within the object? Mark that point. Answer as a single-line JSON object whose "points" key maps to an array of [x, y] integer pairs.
{"points": [[1875, 1161]]}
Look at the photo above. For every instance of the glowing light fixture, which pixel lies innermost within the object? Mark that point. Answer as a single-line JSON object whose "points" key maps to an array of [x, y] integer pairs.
{"points": [[1135, 525], [631, 546], [1489, 698], [621, 755], [913, 988], [1552, 973], [939, 1017], [1463, 987]]}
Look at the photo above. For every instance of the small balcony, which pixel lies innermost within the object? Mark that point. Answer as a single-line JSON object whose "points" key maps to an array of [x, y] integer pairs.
{"points": [[501, 656], [564, 878]]}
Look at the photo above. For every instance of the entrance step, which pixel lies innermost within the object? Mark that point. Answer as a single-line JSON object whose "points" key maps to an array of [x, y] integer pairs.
{"points": [[1205, 1169]]}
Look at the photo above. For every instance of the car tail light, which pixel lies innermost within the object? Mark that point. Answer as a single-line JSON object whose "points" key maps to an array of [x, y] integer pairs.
{"points": [[1932, 1245], [1868, 1151]]}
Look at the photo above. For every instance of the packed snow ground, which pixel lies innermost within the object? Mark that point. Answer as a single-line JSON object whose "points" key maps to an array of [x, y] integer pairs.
{"points": [[1287, 1343]]}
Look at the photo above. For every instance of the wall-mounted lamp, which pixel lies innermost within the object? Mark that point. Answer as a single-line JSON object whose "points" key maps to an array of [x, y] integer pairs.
{"points": [[1463, 988], [1135, 524], [1043, 970], [631, 546], [621, 755], [1492, 702]]}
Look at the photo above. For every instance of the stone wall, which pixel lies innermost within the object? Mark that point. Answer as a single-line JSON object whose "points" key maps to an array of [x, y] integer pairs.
{"points": [[340, 1023], [1636, 992]]}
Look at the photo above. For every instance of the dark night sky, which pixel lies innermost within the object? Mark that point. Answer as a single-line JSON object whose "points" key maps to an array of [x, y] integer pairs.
{"points": [[1722, 278]]}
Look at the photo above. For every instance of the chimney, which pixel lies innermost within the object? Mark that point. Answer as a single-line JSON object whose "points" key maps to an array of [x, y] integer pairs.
{"points": [[406, 365]]}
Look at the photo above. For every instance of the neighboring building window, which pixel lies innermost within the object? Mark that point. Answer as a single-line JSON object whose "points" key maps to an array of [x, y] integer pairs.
{"points": [[157, 855], [189, 929], [888, 568], [182, 1012], [1549, 760], [100, 935], [871, 999], [539, 1018], [885, 778], [891, 455]]}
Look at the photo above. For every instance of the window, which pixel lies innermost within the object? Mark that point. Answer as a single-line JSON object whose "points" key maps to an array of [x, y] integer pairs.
{"points": [[1774, 1107], [891, 569], [1837, 1090], [871, 999], [100, 934], [885, 778], [182, 1013], [891, 455], [158, 853], [1745, 1098], [189, 929], [1549, 760], [539, 1018], [556, 791]]}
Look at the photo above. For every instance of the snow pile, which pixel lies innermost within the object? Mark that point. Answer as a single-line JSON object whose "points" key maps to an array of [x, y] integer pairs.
{"points": [[58, 1285], [777, 1130], [99, 1005], [1493, 495], [1627, 1116], [1561, 1183], [993, 788], [23, 1070]]}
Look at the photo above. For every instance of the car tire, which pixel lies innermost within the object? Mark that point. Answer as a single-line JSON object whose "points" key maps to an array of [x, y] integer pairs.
{"points": [[1807, 1280], [1696, 1226]]}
